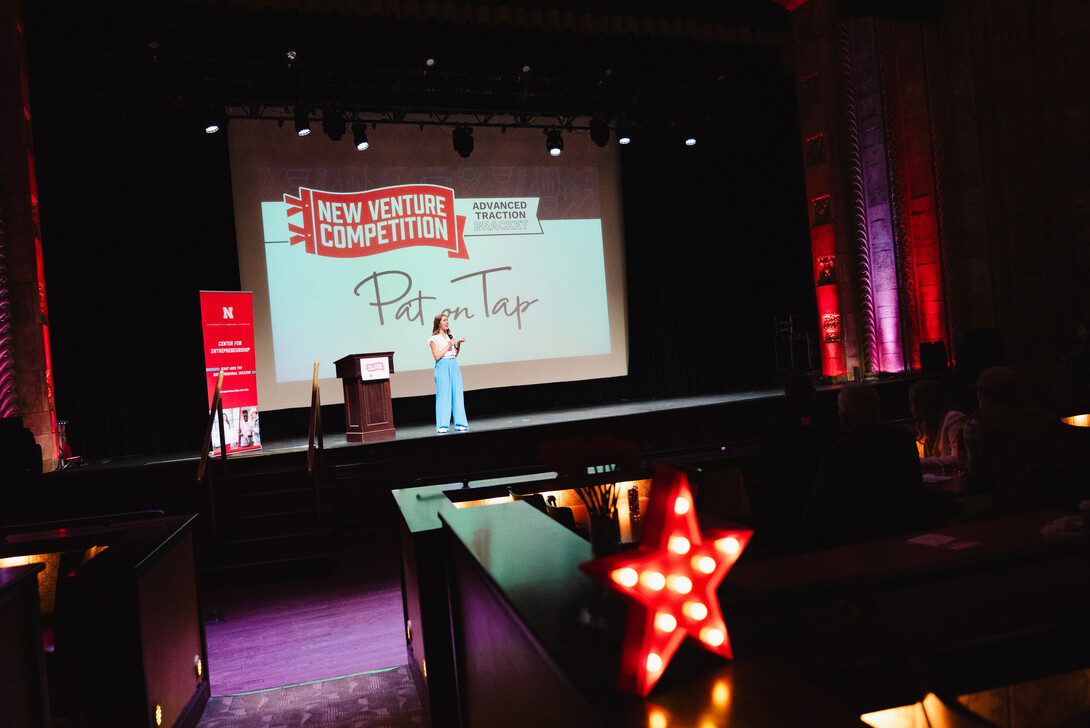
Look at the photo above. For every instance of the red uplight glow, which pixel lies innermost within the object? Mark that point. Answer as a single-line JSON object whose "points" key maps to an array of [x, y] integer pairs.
{"points": [[671, 579], [823, 246]]}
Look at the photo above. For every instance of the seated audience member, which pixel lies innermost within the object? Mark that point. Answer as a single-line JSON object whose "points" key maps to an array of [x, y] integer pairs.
{"points": [[938, 424], [20, 470], [869, 484], [1004, 437], [791, 447]]}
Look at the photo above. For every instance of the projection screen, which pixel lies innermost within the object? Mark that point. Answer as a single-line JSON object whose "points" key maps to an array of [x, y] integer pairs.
{"points": [[350, 252]]}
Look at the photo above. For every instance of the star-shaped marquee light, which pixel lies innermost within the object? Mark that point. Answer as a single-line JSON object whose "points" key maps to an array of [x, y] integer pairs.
{"points": [[671, 579]]}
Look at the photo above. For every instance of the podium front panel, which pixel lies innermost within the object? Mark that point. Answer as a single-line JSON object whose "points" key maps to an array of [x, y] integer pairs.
{"points": [[378, 413]]}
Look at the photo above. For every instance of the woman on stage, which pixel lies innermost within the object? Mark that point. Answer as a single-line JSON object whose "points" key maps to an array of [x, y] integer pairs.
{"points": [[448, 378]]}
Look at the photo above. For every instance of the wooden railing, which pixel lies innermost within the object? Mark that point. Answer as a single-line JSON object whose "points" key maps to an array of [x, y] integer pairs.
{"points": [[315, 441], [314, 434]]}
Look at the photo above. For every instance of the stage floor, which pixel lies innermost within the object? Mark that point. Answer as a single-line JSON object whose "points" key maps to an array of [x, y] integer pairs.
{"points": [[335, 438]]}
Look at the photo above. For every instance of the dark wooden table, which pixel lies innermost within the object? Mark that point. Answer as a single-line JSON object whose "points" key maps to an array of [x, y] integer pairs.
{"points": [[960, 608], [537, 643], [127, 625], [22, 659], [819, 638]]}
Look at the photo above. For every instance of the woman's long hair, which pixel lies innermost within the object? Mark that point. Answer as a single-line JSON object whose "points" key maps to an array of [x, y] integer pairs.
{"points": [[930, 402], [435, 325]]}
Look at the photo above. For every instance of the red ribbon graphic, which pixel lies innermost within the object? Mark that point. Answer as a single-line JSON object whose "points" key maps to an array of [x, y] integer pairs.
{"points": [[355, 224]]}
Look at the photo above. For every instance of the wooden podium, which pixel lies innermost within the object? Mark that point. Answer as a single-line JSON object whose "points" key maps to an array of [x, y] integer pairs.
{"points": [[368, 411]]}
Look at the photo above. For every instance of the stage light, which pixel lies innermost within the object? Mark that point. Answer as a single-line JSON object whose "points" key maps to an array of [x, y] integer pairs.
{"points": [[463, 141], [214, 119], [302, 121], [599, 132], [359, 135], [624, 134], [554, 142], [690, 140], [333, 124]]}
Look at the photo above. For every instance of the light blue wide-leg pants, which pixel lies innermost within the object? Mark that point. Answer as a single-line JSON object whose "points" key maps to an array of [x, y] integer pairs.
{"points": [[449, 399]]}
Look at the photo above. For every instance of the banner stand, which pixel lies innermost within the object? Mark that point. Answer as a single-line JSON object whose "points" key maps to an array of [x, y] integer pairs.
{"points": [[228, 326], [214, 414]]}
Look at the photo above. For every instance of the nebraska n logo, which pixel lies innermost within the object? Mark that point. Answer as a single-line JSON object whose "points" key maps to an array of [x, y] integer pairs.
{"points": [[228, 312]]}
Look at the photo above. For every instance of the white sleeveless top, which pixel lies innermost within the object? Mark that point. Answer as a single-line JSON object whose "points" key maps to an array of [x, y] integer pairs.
{"points": [[440, 340]]}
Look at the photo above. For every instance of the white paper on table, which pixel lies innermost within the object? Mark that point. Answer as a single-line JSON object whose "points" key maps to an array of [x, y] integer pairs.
{"points": [[932, 539], [943, 542]]}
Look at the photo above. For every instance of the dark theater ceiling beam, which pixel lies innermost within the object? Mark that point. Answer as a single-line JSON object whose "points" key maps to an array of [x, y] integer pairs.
{"points": [[652, 64]]}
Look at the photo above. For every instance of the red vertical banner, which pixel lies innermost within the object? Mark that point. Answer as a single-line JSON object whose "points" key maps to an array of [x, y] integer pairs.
{"points": [[227, 319]]}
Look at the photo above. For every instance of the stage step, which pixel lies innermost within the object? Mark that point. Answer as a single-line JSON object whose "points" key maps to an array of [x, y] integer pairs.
{"points": [[268, 525], [241, 483], [247, 526], [289, 555], [262, 504]]}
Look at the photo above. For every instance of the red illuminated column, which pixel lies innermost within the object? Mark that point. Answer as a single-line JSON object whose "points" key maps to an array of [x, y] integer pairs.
{"points": [[25, 331], [823, 246], [927, 254], [820, 121]]}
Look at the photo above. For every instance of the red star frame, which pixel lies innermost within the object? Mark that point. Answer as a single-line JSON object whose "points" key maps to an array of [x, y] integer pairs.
{"points": [[671, 579]]}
